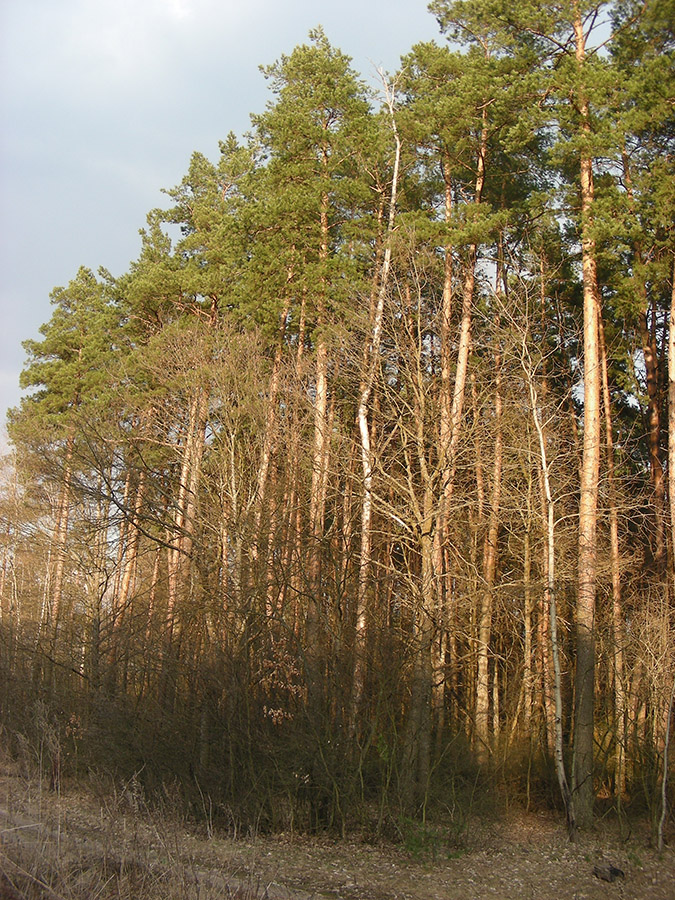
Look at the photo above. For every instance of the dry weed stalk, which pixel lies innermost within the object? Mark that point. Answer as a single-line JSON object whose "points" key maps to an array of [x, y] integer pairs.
{"points": [[52, 848]]}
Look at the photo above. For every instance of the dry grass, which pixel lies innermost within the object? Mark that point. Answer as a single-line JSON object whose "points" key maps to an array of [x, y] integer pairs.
{"points": [[104, 842], [58, 847]]}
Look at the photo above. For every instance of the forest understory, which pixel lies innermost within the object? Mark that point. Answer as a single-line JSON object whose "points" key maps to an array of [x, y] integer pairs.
{"points": [[349, 510], [89, 840]]}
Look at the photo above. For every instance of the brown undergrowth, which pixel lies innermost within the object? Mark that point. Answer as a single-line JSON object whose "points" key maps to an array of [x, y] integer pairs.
{"points": [[97, 842]]}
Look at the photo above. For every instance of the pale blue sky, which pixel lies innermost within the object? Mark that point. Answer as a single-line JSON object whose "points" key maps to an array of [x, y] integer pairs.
{"points": [[103, 101]]}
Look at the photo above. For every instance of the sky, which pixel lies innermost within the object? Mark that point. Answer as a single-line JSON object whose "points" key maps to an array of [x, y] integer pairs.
{"points": [[102, 103]]}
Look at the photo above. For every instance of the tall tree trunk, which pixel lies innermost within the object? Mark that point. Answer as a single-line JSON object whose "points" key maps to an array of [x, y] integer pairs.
{"points": [[544, 659], [417, 739], [671, 416], [483, 743], [60, 537], [528, 611], [452, 403], [320, 459], [371, 364], [264, 517], [654, 397], [451, 433], [463, 350], [321, 435], [590, 469], [651, 361], [183, 524], [132, 542], [617, 606], [121, 544], [550, 594], [269, 439], [443, 613], [527, 632], [422, 480]]}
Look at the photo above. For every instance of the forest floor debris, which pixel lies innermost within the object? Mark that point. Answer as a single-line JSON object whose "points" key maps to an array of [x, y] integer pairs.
{"points": [[76, 844]]}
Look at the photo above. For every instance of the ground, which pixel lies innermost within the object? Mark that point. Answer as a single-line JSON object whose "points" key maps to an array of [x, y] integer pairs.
{"points": [[72, 844]]}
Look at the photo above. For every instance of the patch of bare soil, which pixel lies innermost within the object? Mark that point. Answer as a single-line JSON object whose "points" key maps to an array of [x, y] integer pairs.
{"points": [[79, 845]]}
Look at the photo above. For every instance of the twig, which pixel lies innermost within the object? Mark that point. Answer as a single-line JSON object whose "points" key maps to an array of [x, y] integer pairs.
{"points": [[664, 779]]}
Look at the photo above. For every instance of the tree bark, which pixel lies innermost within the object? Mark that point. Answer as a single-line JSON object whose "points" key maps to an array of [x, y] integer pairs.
{"points": [[671, 413], [550, 596], [617, 605], [443, 613], [483, 743], [184, 517], [654, 397], [371, 363], [320, 460], [590, 468], [269, 439], [60, 537], [452, 402]]}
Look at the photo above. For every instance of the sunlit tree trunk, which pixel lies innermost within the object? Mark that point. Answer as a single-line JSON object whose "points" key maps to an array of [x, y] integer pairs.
{"points": [[443, 612], [60, 537], [452, 433], [121, 544], [483, 742], [133, 541], [269, 439], [264, 516], [132, 536], [544, 660], [588, 503], [452, 404], [320, 456], [183, 525], [371, 364], [550, 602]]}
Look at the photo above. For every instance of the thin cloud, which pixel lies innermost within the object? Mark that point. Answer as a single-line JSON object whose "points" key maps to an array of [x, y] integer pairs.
{"points": [[178, 9]]}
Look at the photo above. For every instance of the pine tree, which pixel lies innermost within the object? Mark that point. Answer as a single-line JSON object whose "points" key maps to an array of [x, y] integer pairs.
{"points": [[67, 372]]}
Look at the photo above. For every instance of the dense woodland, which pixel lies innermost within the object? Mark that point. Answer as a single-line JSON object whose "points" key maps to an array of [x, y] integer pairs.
{"points": [[353, 500]]}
